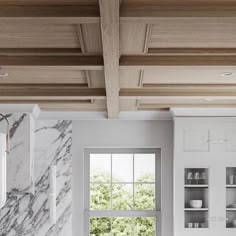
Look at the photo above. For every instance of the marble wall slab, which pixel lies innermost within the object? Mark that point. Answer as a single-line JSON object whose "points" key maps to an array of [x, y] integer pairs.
{"points": [[28, 214], [20, 166]]}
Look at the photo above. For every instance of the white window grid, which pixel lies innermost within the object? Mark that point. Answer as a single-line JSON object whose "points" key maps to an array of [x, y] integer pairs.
{"points": [[156, 213]]}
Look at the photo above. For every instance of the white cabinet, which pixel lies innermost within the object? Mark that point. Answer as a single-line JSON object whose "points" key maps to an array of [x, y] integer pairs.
{"points": [[205, 171], [196, 140], [230, 137]]}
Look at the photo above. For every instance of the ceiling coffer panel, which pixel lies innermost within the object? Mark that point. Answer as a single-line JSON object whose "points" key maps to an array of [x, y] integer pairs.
{"points": [[40, 36], [43, 75], [193, 32], [97, 79], [91, 37], [128, 104], [77, 105], [129, 78], [48, 2], [189, 75], [132, 40]]}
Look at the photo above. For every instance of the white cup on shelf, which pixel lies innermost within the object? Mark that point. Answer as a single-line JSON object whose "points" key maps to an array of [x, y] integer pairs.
{"points": [[196, 225], [190, 225], [231, 179]]}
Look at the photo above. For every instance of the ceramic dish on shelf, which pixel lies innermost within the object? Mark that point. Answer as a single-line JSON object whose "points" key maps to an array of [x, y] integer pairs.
{"points": [[195, 203], [234, 223], [233, 205]]}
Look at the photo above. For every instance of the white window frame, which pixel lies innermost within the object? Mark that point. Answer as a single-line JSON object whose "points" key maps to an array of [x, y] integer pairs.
{"points": [[121, 213]]}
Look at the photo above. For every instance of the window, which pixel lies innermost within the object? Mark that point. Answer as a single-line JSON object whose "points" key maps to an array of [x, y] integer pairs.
{"points": [[122, 192]]}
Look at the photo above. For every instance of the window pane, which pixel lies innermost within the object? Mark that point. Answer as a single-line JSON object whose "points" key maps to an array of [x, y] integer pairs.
{"points": [[100, 168], [122, 196], [144, 226], [144, 196], [122, 226], [144, 167], [122, 167], [100, 226], [100, 196]]}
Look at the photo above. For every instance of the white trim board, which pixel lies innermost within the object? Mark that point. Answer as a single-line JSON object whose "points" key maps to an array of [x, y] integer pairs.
{"points": [[139, 115], [37, 113], [203, 112], [34, 110]]}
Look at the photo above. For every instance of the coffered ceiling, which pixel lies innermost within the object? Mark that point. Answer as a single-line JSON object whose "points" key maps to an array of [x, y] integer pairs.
{"points": [[111, 55]]}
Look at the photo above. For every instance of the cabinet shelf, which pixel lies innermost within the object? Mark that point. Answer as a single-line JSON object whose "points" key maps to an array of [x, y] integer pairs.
{"points": [[231, 186], [230, 209], [196, 209], [196, 186]]}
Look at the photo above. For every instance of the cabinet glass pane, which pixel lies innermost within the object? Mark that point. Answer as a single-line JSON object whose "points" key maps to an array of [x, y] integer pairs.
{"points": [[231, 197], [196, 176], [196, 197]]}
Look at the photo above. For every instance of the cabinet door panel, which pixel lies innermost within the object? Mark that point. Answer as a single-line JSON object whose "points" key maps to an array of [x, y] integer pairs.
{"points": [[230, 139], [196, 140]]}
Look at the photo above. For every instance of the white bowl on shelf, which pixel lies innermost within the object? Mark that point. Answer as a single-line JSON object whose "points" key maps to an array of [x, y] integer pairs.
{"points": [[233, 205], [195, 203]]}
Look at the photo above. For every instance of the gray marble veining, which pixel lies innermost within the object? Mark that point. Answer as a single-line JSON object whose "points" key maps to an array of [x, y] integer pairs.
{"points": [[28, 214], [20, 160]]}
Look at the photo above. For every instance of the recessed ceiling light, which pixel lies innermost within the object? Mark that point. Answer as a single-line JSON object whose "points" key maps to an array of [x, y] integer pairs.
{"points": [[226, 74], [209, 99], [3, 74]]}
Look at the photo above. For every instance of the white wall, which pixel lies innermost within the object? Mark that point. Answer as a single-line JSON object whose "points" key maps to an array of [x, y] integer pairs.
{"points": [[128, 134]]}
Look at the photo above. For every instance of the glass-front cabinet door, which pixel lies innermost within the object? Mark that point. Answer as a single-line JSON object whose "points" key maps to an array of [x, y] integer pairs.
{"points": [[231, 197], [196, 198]]}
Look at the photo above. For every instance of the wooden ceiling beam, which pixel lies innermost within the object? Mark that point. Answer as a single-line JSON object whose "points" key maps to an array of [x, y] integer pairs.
{"points": [[192, 51], [39, 92], [152, 61], [47, 2], [177, 2], [57, 14], [157, 106], [183, 86], [72, 58], [78, 102], [81, 62], [149, 51], [60, 105], [40, 51], [172, 90], [110, 28], [151, 14], [71, 106]]}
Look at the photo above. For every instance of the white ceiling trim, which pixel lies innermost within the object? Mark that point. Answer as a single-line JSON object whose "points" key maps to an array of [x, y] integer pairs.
{"points": [[128, 115], [32, 109], [203, 112]]}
